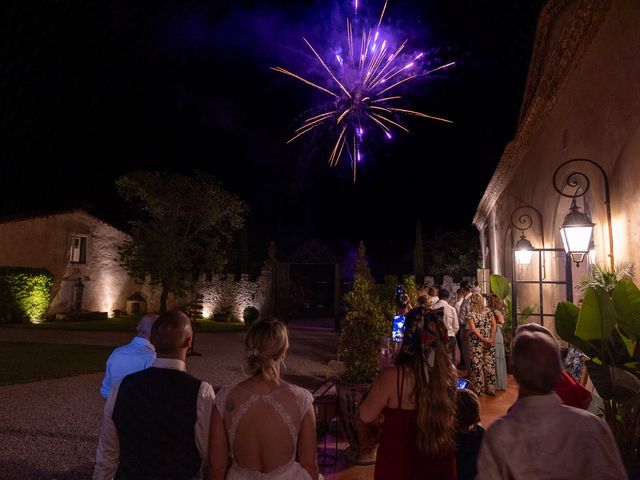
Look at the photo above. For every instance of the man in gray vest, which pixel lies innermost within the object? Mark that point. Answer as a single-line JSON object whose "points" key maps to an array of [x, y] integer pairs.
{"points": [[156, 421]]}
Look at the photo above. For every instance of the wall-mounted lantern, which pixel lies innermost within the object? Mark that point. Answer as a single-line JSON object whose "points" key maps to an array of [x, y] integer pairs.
{"points": [[523, 249], [577, 227]]}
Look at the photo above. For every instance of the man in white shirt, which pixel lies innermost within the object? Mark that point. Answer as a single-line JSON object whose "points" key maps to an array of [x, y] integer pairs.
{"points": [[463, 336], [156, 421], [450, 320], [540, 437], [132, 357]]}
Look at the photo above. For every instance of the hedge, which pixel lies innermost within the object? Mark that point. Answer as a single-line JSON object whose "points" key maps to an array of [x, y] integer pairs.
{"points": [[25, 293]]}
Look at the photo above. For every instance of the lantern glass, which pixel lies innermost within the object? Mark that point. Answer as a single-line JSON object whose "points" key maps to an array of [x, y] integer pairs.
{"points": [[523, 257], [577, 239]]}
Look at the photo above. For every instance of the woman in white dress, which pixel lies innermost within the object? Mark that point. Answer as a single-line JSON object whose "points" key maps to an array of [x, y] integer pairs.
{"points": [[263, 421]]}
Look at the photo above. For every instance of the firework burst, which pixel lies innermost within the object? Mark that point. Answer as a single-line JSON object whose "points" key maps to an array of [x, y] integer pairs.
{"points": [[364, 89]]}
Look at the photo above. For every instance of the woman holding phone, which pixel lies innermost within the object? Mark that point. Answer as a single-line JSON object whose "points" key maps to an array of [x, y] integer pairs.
{"points": [[417, 396]]}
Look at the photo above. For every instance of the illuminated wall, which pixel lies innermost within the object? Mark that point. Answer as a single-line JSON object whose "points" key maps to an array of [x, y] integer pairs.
{"points": [[225, 291], [573, 108], [45, 242]]}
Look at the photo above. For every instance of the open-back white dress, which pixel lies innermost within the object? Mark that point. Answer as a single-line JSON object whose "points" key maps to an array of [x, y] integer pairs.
{"points": [[262, 431]]}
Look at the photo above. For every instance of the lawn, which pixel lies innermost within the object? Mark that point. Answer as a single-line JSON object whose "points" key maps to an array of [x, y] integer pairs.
{"points": [[124, 324], [30, 362]]}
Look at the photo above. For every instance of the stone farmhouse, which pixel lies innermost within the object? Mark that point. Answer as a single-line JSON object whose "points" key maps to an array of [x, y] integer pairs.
{"points": [[81, 253]]}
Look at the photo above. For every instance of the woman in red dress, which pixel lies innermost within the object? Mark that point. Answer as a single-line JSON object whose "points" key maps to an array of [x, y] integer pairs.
{"points": [[417, 396]]}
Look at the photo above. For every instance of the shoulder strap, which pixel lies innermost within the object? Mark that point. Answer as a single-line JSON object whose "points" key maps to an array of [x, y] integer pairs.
{"points": [[400, 385]]}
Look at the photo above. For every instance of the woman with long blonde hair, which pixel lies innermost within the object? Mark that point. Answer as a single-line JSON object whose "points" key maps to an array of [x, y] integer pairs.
{"points": [[417, 396], [263, 421], [481, 323]]}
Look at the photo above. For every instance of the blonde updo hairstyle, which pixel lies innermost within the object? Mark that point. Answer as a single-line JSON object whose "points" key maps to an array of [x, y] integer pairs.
{"points": [[476, 303], [267, 341]]}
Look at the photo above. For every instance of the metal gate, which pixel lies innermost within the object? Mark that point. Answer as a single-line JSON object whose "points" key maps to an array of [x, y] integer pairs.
{"points": [[281, 289], [546, 281]]}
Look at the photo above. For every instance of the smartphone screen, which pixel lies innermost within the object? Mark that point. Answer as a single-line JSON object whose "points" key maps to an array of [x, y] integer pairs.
{"points": [[462, 383], [398, 328]]}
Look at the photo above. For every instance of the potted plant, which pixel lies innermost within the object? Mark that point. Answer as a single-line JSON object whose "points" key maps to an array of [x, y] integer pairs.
{"points": [[606, 327], [360, 339]]}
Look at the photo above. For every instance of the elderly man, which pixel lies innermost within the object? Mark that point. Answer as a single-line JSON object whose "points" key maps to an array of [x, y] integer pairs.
{"points": [[540, 437], [156, 421], [132, 357]]}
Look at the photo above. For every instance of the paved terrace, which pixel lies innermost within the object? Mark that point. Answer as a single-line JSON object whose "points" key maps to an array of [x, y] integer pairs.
{"points": [[49, 429]]}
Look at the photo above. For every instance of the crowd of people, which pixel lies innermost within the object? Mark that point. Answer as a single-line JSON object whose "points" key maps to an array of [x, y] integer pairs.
{"points": [[160, 422], [432, 428], [474, 333]]}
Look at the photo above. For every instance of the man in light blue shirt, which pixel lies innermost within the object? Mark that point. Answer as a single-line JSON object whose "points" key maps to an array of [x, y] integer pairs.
{"points": [[132, 357]]}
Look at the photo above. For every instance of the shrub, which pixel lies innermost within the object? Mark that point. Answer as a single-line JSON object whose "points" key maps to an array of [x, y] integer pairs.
{"points": [[361, 336], [250, 315], [25, 293], [223, 314]]}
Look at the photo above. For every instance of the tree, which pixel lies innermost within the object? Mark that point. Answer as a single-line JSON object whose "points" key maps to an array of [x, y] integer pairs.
{"points": [[186, 225], [418, 255], [455, 253]]}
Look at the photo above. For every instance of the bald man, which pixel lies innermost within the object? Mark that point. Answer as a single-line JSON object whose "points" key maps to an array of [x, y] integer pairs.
{"points": [[156, 421], [540, 438], [132, 357]]}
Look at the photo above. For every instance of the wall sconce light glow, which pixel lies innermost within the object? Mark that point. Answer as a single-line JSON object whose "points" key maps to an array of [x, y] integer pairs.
{"points": [[523, 251]]}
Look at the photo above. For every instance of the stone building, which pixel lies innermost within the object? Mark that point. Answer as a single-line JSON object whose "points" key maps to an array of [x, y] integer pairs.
{"points": [[80, 251], [582, 101]]}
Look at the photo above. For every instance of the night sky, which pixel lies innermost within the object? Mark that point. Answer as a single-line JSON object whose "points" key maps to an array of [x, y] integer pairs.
{"points": [[90, 90]]}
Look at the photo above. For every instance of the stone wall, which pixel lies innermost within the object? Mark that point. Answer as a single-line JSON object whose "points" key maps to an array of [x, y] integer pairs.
{"points": [[228, 292]]}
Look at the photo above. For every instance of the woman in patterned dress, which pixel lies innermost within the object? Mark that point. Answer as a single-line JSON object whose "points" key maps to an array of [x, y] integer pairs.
{"points": [[481, 326]]}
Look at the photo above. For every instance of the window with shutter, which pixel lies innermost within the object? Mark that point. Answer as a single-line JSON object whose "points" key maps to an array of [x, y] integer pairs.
{"points": [[78, 249]]}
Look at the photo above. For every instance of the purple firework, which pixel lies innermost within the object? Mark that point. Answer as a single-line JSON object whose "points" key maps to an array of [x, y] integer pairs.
{"points": [[364, 86]]}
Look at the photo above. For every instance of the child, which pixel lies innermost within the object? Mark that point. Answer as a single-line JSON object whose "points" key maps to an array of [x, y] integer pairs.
{"points": [[469, 433]]}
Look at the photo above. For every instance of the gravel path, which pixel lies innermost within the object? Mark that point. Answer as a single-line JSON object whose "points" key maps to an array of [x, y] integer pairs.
{"points": [[49, 429]]}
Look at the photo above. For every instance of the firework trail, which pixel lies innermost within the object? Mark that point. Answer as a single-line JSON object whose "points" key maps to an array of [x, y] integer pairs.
{"points": [[363, 87]]}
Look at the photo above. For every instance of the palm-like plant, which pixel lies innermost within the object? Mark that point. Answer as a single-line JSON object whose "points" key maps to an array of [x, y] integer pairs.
{"points": [[606, 327], [602, 276]]}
